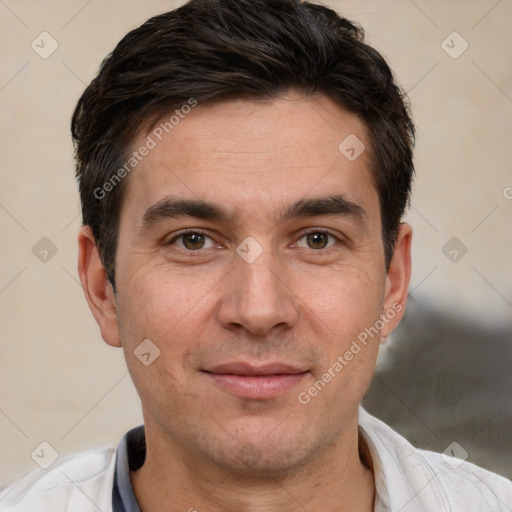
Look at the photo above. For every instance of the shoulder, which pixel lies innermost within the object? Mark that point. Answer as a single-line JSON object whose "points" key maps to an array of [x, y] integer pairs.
{"points": [[467, 484], [80, 483], [419, 480]]}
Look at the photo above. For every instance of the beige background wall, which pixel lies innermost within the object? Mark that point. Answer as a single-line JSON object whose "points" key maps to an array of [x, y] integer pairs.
{"points": [[59, 382]]}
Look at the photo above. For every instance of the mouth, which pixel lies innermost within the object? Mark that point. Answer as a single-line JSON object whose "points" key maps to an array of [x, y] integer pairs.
{"points": [[255, 382]]}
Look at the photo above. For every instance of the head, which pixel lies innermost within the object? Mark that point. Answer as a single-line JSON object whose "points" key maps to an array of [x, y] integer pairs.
{"points": [[214, 50], [232, 119]]}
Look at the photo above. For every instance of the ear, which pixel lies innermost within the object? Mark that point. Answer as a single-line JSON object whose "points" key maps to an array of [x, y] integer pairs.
{"points": [[98, 290], [397, 282]]}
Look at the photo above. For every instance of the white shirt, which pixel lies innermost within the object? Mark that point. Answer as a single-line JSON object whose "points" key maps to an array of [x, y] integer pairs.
{"points": [[406, 480]]}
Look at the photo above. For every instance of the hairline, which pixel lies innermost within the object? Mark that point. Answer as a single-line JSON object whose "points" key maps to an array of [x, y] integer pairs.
{"points": [[151, 119]]}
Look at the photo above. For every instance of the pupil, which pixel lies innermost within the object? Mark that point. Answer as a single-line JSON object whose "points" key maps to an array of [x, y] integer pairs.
{"points": [[317, 240], [194, 241]]}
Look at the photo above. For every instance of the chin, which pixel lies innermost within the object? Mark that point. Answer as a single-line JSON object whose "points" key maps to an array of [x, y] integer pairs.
{"points": [[251, 460], [261, 454]]}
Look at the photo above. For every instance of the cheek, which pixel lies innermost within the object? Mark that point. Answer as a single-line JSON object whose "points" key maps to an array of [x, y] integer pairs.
{"points": [[346, 301], [345, 309], [158, 302], [172, 317]]}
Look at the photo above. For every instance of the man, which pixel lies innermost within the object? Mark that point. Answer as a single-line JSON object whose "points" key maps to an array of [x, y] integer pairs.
{"points": [[244, 166]]}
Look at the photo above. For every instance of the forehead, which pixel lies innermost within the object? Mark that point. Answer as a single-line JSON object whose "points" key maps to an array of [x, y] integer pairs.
{"points": [[254, 154]]}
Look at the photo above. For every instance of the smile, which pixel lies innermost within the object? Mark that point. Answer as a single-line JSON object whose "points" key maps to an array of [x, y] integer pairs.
{"points": [[257, 383]]}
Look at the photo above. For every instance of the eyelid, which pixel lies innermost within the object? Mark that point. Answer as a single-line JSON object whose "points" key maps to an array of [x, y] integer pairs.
{"points": [[183, 232], [336, 235]]}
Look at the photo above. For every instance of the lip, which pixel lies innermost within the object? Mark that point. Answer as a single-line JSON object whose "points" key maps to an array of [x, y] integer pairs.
{"points": [[256, 382]]}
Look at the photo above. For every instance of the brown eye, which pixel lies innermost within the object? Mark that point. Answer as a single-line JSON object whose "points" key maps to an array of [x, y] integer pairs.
{"points": [[193, 241], [317, 240]]}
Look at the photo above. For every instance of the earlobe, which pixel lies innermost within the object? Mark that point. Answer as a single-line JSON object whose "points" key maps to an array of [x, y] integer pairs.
{"points": [[97, 289], [397, 281]]}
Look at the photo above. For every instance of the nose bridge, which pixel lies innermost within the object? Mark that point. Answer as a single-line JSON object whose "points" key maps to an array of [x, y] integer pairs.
{"points": [[259, 280], [257, 297]]}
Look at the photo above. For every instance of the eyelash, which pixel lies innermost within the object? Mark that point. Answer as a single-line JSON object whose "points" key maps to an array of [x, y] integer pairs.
{"points": [[337, 238], [185, 232], [181, 234]]}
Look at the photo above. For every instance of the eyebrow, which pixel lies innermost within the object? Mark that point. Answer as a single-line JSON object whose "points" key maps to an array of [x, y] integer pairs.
{"points": [[330, 205], [171, 208]]}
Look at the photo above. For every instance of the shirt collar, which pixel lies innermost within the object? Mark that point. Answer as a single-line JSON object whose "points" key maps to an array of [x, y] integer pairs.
{"points": [[130, 456]]}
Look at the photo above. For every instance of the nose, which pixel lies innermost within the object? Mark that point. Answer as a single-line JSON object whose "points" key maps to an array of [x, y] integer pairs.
{"points": [[256, 298]]}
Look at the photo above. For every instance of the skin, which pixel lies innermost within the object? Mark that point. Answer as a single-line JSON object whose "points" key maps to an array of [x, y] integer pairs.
{"points": [[303, 301]]}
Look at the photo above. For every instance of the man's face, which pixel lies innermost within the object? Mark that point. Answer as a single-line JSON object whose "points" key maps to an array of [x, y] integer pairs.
{"points": [[250, 253]]}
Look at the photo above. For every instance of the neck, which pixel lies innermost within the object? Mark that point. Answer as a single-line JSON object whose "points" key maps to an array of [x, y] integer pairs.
{"points": [[175, 480]]}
